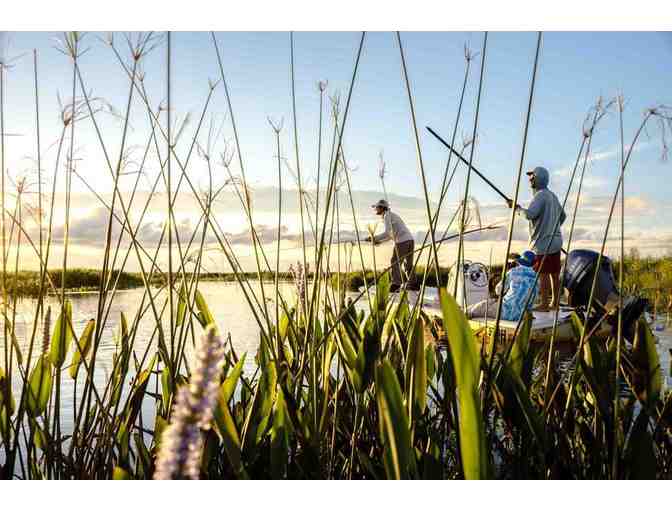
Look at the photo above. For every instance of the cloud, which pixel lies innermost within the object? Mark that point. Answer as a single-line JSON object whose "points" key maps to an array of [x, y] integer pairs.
{"points": [[638, 204], [647, 224], [596, 207], [593, 181], [91, 230], [88, 229]]}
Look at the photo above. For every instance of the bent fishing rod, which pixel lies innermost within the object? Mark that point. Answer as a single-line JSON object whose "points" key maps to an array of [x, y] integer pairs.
{"points": [[424, 247]]}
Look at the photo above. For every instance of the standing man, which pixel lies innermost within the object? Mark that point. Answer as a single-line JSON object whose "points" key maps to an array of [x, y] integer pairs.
{"points": [[545, 215], [402, 254]]}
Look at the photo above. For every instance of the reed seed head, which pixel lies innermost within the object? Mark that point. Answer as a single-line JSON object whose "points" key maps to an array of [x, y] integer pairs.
{"points": [[381, 165], [212, 84], [6, 62], [277, 126], [226, 156]]}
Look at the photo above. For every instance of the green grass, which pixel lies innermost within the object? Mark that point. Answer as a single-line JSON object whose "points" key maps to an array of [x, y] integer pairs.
{"points": [[650, 277], [27, 283]]}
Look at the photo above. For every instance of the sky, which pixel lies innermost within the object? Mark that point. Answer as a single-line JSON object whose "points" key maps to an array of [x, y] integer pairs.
{"points": [[575, 68]]}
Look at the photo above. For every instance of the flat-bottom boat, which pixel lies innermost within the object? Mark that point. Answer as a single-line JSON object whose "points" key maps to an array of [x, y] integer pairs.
{"points": [[577, 280]]}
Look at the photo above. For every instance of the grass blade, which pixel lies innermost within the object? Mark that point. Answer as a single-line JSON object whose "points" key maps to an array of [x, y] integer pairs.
{"points": [[462, 348]]}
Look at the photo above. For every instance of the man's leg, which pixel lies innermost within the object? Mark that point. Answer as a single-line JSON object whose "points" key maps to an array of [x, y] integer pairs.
{"points": [[394, 267], [544, 292], [407, 261], [555, 288], [541, 266]]}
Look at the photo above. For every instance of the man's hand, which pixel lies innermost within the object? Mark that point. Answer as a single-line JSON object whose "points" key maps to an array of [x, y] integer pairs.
{"points": [[509, 203]]}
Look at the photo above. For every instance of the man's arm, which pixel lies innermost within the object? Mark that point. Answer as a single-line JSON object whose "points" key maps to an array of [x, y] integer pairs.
{"points": [[507, 280], [534, 210], [387, 234]]}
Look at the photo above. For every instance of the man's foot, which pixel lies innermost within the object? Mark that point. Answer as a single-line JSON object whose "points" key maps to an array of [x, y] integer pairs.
{"points": [[394, 287]]}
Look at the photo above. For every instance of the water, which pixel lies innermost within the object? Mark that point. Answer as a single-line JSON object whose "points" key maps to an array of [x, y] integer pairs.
{"points": [[232, 313], [663, 331], [226, 301]]}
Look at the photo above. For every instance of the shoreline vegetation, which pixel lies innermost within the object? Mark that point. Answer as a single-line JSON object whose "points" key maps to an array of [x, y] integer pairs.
{"points": [[648, 277], [335, 391]]}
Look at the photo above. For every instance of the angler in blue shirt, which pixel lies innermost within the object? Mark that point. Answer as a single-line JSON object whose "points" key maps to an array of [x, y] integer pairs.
{"points": [[518, 283]]}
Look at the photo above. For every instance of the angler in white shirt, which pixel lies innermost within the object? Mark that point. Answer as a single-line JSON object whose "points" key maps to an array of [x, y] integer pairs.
{"points": [[402, 255]]}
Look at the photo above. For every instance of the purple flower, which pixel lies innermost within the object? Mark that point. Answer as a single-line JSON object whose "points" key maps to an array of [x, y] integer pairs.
{"points": [[300, 276], [182, 441]]}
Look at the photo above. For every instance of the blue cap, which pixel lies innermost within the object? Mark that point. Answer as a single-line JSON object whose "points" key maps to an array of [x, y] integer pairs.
{"points": [[526, 259]]}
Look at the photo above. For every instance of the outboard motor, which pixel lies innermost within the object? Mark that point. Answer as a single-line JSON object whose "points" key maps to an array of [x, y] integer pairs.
{"points": [[578, 280]]}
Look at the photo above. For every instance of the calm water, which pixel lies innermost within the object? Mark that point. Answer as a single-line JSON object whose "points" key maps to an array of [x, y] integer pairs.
{"points": [[228, 305]]}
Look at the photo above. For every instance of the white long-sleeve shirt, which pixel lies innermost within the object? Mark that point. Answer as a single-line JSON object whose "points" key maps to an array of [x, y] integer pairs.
{"points": [[395, 229]]}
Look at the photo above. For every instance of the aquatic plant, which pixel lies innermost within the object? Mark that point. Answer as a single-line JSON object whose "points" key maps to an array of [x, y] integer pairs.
{"points": [[344, 385]]}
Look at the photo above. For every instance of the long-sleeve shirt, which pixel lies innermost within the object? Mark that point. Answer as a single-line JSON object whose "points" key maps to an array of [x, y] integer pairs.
{"points": [[544, 215], [518, 281], [395, 229]]}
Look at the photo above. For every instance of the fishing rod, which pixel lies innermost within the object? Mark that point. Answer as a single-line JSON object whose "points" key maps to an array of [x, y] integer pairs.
{"points": [[442, 240], [472, 231], [487, 181]]}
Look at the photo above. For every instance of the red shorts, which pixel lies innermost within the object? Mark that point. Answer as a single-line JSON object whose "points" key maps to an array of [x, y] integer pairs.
{"points": [[550, 265]]}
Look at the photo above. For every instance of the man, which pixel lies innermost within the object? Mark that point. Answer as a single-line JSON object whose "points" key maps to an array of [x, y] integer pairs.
{"points": [[545, 215], [518, 284], [402, 254]]}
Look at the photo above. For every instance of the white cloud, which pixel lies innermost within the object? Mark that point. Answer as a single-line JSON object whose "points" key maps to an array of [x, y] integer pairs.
{"points": [[590, 181]]}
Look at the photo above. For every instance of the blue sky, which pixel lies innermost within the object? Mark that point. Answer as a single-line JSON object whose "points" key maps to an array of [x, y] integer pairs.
{"points": [[574, 69]]}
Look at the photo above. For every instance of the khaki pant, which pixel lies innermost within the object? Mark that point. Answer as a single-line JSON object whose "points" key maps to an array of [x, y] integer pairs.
{"points": [[402, 255]]}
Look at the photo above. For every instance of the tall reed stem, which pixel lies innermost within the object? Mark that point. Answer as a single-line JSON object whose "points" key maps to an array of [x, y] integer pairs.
{"points": [[619, 333], [3, 232], [458, 269], [419, 155], [513, 212], [598, 263], [169, 193]]}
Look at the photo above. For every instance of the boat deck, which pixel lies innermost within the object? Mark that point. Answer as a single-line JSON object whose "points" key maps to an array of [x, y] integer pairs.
{"points": [[542, 325]]}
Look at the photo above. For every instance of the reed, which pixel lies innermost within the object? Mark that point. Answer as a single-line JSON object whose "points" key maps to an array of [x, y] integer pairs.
{"points": [[346, 383]]}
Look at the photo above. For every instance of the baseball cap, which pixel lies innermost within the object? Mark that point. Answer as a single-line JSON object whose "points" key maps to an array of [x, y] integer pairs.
{"points": [[526, 259]]}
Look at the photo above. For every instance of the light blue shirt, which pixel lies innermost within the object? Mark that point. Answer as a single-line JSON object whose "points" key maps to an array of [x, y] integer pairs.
{"points": [[519, 281]]}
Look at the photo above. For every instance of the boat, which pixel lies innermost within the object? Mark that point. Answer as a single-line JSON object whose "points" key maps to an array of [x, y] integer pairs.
{"points": [[577, 279], [542, 322]]}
